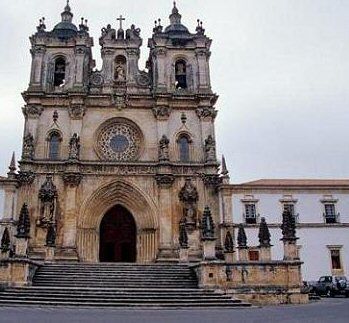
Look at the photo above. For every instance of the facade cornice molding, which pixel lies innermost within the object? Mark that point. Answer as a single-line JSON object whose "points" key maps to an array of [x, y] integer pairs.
{"points": [[242, 188]]}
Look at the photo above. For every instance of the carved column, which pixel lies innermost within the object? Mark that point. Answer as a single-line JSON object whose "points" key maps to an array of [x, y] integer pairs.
{"points": [[71, 181], [166, 248]]}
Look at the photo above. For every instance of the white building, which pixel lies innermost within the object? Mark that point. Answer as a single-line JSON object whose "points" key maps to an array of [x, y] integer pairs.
{"points": [[321, 208]]}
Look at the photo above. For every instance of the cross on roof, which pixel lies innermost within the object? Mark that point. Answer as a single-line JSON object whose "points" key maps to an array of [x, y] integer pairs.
{"points": [[121, 19]]}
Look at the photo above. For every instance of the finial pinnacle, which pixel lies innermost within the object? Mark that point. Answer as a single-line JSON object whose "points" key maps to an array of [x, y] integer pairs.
{"points": [[224, 167], [12, 166]]}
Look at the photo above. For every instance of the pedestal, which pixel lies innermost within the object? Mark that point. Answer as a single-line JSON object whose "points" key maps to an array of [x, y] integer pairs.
{"points": [[290, 250], [229, 257], [4, 255], [243, 254], [265, 253], [50, 254], [183, 255], [209, 249], [22, 247]]}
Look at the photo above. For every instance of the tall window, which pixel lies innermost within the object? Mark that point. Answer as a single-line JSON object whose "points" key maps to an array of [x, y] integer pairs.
{"points": [[330, 213], [250, 214], [336, 259], [59, 74], [54, 142], [183, 143], [181, 74]]}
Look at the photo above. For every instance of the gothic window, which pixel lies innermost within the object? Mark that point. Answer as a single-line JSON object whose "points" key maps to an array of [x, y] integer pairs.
{"points": [[184, 147], [59, 73], [181, 74], [250, 214], [54, 142]]}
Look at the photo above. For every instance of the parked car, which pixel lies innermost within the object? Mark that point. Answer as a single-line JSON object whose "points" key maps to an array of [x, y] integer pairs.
{"points": [[331, 286]]}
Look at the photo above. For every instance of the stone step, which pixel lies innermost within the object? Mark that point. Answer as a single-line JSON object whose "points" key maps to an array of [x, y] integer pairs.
{"points": [[173, 305], [107, 298], [117, 285]]}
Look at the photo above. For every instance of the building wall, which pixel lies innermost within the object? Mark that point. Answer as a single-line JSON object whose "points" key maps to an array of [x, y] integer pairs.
{"points": [[2, 200], [314, 235]]}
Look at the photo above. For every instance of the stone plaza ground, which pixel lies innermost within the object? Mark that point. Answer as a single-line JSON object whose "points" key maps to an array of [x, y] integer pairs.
{"points": [[326, 310]]}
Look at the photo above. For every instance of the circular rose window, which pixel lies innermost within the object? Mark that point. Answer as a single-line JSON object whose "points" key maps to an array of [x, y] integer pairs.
{"points": [[119, 140]]}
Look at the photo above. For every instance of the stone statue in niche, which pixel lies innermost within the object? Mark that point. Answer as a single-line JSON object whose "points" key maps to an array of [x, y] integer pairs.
{"points": [[28, 147], [189, 196], [120, 73], [210, 149], [163, 149], [74, 147], [48, 201]]}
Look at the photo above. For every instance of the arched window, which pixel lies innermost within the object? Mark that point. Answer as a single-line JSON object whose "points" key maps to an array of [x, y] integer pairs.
{"points": [[54, 142], [181, 74], [183, 143], [59, 74]]}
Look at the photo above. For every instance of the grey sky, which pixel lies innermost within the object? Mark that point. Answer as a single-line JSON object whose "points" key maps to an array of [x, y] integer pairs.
{"points": [[280, 67]]}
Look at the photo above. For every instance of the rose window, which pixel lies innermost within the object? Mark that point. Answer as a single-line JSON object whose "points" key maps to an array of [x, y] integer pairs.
{"points": [[120, 141]]}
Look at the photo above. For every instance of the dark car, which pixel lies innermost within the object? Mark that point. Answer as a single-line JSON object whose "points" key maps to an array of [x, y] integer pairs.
{"points": [[331, 286]]}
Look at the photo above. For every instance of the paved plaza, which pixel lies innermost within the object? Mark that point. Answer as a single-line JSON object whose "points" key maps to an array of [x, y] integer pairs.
{"points": [[327, 310]]}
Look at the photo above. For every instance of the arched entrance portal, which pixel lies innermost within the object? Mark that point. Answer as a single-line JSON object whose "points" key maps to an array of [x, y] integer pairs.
{"points": [[118, 236]]}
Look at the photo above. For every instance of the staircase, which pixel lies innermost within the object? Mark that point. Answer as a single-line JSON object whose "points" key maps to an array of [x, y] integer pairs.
{"points": [[116, 286]]}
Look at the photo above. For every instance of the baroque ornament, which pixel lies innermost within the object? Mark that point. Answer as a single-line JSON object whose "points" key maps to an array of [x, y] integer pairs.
{"points": [[51, 235], [183, 235], [164, 149], [28, 147], [165, 180], [288, 226], [264, 234], [25, 178], [76, 111], [207, 225], [162, 112], [229, 243], [5, 241], [23, 226], [32, 111], [72, 179], [206, 112], [210, 149], [48, 201], [119, 140], [242, 239], [189, 196], [74, 147]]}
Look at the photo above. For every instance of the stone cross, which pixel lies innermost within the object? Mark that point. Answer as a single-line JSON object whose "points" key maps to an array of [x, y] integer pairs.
{"points": [[121, 19]]}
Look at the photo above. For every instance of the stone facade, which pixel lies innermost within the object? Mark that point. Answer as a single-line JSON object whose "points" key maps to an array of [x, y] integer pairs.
{"points": [[115, 137]]}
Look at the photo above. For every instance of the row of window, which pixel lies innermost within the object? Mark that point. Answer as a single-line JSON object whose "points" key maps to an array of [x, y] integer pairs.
{"points": [[335, 256], [54, 142], [120, 69], [330, 215]]}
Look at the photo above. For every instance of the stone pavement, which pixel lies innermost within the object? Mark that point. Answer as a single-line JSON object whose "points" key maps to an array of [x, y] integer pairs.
{"points": [[327, 310]]}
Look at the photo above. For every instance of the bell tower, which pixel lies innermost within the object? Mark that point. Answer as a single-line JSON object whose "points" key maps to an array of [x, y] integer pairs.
{"points": [[61, 58], [179, 60]]}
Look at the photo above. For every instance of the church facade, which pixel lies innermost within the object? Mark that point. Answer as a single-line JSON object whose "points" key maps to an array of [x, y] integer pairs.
{"points": [[114, 160], [120, 165]]}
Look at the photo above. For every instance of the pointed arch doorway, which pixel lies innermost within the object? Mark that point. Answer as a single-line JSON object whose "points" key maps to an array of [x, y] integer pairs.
{"points": [[118, 236]]}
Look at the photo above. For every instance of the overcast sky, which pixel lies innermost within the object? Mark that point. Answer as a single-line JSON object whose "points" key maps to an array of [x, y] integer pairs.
{"points": [[280, 67]]}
